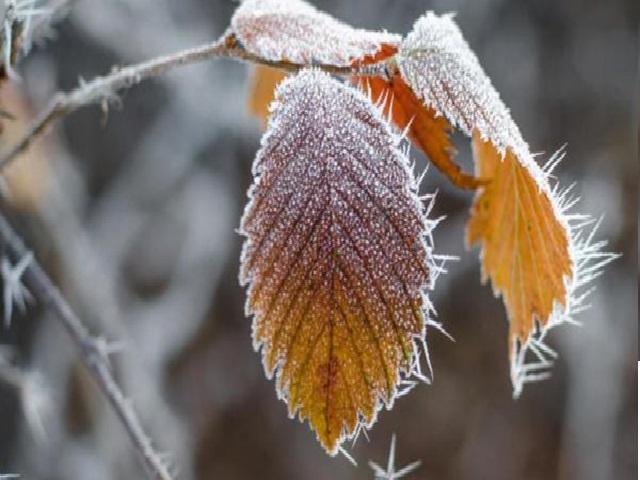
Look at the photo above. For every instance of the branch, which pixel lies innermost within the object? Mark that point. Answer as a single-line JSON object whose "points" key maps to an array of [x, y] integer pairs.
{"points": [[93, 351], [102, 89]]}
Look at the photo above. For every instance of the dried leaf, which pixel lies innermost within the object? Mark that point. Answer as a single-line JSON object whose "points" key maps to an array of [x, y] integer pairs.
{"points": [[264, 81], [535, 257], [423, 125], [295, 31], [539, 258], [337, 258], [525, 245], [27, 180]]}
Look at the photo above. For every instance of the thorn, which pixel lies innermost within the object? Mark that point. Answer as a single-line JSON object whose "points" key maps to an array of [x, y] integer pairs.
{"points": [[107, 348]]}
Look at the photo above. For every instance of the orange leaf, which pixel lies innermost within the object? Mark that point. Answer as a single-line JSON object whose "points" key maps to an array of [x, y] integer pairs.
{"points": [[525, 246], [27, 179], [264, 81], [428, 130], [536, 258], [336, 257]]}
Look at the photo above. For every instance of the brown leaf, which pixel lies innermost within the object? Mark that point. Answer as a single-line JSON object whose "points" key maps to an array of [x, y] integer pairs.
{"points": [[525, 247], [336, 257], [295, 31], [264, 81], [27, 179]]}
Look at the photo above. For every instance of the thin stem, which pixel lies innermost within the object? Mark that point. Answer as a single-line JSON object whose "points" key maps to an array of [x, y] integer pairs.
{"points": [[92, 349], [103, 88]]}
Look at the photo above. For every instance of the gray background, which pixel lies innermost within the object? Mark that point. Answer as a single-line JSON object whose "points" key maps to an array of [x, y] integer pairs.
{"points": [[139, 231]]}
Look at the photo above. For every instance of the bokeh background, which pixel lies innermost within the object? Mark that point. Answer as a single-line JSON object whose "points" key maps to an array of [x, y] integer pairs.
{"points": [[134, 213]]}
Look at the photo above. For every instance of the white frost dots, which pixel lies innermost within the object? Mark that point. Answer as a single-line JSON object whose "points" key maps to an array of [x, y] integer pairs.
{"points": [[295, 31], [338, 249], [440, 67]]}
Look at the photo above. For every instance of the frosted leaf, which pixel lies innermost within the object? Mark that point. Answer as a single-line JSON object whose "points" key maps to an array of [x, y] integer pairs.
{"points": [[337, 257], [536, 253], [438, 64], [295, 31]]}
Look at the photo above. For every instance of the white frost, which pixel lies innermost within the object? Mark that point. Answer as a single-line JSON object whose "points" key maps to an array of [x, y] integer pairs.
{"points": [[437, 63], [295, 31]]}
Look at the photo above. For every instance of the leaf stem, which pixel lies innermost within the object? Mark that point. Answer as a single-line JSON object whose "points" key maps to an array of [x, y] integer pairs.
{"points": [[104, 88]]}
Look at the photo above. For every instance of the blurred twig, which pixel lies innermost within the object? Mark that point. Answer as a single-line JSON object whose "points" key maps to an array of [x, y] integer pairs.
{"points": [[102, 89], [22, 22], [94, 351]]}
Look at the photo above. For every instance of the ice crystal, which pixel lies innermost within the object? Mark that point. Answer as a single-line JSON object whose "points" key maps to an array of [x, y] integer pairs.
{"points": [[338, 257], [295, 31], [13, 289], [32, 391], [390, 472]]}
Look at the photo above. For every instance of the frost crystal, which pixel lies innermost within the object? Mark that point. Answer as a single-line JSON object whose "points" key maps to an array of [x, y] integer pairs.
{"points": [[390, 472], [13, 289], [338, 258], [295, 31]]}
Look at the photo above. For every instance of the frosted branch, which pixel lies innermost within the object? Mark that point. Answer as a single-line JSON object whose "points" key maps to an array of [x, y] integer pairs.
{"points": [[91, 349], [103, 89]]}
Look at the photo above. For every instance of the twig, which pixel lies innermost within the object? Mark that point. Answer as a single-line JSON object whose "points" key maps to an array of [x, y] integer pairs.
{"points": [[102, 89], [92, 349]]}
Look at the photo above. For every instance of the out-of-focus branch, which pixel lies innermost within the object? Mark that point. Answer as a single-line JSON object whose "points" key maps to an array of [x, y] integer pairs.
{"points": [[101, 89], [93, 350], [54, 11], [22, 23]]}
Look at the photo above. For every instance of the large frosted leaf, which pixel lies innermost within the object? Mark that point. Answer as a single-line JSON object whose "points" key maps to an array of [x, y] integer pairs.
{"points": [[295, 31], [336, 257]]}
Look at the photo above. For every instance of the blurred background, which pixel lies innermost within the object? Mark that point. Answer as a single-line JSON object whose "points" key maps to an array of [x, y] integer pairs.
{"points": [[134, 213]]}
